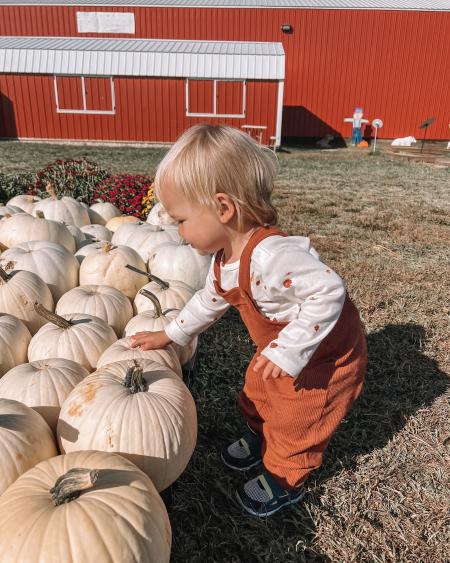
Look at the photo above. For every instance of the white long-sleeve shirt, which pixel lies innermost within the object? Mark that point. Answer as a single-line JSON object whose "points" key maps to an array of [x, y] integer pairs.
{"points": [[289, 284]]}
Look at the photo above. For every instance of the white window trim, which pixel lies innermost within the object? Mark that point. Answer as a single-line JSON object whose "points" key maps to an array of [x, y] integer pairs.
{"points": [[215, 114], [83, 91]]}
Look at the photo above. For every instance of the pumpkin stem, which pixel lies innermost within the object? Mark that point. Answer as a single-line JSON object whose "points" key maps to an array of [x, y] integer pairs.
{"points": [[40, 214], [169, 310], [49, 188], [137, 270], [4, 275], [69, 486], [162, 284], [154, 300], [107, 246], [134, 379], [52, 317]]}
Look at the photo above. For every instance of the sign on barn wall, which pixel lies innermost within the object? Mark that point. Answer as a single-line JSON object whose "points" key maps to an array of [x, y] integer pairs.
{"points": [[105, 22]]}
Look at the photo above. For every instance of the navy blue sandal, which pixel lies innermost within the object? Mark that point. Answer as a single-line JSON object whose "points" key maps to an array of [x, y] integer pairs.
{"points": [[263, 496], [243, 454]]}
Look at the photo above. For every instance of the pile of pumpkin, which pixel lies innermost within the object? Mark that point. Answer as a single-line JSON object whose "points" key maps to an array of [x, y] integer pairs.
{"points": [[75, 283]]}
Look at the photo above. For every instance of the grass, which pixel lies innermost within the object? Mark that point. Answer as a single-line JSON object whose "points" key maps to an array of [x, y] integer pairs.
{"points": [[382, 492], [30, 156]]}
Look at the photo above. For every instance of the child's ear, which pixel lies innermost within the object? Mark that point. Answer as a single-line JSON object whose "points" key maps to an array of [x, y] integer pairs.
{"points": [[225, 207]]}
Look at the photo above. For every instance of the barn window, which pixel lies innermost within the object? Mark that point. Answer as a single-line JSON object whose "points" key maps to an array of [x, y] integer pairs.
{"points": [[215, 98], [84, 94]]}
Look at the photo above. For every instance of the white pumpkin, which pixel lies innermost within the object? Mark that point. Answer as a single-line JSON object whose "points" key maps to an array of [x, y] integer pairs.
{"points": [[95, 233], [144, 412], [107, 266], [85, 250], [6, 210], [102, 212], [114, 223], [25, 440], [66, 210], [158, 216], [174, 261], [18, 293], [122, 350], [57, 267], [119, 516], [25, 202], [14, 340], [43, 385], [171, 294], [156, 320], [25, 228], [78, 235], [103, 301], [143, 238], [78, 337]]}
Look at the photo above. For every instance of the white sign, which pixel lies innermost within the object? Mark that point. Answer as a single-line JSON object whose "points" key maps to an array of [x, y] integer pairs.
{"points": [[105, 22]]}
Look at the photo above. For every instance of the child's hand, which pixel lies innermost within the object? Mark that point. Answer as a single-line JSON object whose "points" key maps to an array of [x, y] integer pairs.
{"points": [[150, 340], [268, 367]]}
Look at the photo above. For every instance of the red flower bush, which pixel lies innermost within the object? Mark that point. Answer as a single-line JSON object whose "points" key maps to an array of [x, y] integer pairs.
{"points": [[125, 191]]}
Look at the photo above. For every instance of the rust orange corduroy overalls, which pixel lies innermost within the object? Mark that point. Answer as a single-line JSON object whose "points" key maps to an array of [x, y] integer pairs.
{"points": [[296, 417]]}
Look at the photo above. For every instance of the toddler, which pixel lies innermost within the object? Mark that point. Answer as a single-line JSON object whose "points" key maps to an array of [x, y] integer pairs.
{"points": [[311, 351]]}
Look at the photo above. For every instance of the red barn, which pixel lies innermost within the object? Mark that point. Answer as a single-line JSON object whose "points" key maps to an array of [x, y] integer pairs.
{"points": [[145, 70]]}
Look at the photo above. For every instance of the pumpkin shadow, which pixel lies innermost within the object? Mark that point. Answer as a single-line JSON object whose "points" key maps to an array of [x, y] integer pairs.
{"points": [[67, 432], [111, 478], [17, 422], [50, 414], [80, 321], [150, 465]]}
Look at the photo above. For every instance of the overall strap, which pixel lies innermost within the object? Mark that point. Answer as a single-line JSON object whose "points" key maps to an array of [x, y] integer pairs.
{"points": [[217, 261], [244, 264]]}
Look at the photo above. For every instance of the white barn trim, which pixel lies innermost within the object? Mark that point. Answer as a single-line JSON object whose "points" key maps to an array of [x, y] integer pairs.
{"points": [[142, 57]]}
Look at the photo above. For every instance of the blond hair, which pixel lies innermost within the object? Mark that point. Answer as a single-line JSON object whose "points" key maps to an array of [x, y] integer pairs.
{"points": [[208, 159]]}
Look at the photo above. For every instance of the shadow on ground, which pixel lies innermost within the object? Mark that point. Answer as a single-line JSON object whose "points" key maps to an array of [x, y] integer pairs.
{"points": [[400, 381]]}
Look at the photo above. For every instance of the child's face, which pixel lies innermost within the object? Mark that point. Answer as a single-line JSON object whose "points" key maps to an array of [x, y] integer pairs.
{"points": [[197, 224]]}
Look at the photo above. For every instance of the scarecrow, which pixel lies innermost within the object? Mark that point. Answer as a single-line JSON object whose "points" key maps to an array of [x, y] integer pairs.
{"points": [[356, 121]]}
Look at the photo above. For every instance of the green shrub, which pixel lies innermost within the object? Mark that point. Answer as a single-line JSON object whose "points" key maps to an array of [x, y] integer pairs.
{"points": [[74, 178], [15, 184]]}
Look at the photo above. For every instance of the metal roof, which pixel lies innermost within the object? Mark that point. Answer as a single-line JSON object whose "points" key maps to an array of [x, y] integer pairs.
{"points": [[414, 5], [142, 57]]}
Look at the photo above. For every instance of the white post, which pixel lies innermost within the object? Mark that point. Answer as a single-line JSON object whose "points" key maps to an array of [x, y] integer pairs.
{"points": [[279, 113], [375, 140]]}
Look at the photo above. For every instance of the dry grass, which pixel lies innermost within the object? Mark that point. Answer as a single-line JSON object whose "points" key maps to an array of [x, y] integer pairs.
{"points": [[382, 493], [30, 156]]}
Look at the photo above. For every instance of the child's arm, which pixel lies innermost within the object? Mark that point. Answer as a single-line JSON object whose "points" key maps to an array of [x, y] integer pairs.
{"points": [[201, 311], [150, 340], [294, 276]]}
